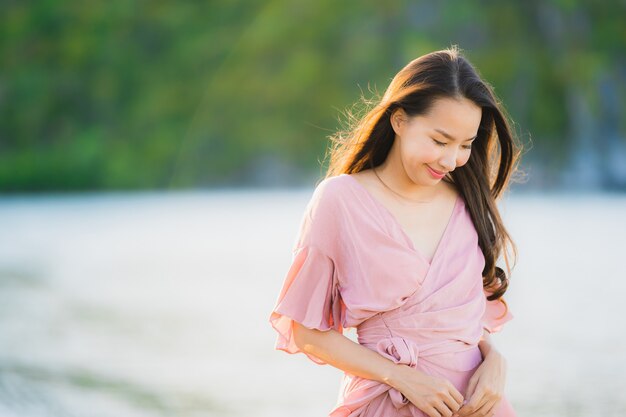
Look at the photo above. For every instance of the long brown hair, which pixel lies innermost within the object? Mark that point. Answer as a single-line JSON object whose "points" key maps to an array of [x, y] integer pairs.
{"points": [[481, 181]]}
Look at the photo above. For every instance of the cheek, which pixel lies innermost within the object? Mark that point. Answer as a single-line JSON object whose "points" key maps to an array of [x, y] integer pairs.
{"points": [[419, 152], [463, 159]]}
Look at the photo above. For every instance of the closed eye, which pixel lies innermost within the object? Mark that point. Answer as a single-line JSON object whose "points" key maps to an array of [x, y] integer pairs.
{"points": [[444, 144]]}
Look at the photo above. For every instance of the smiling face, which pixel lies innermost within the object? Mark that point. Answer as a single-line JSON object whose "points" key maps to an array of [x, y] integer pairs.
{"points": [[439, 141]]}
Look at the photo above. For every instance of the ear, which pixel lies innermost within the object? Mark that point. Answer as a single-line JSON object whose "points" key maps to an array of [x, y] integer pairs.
{"points": [[398, 120]]}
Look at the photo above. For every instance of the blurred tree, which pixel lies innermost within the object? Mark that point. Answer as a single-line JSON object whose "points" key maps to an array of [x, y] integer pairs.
{"points": [[157, 94]]}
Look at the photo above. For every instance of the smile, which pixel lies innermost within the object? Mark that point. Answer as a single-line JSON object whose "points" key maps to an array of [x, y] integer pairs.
{"points": [[436, 174]]}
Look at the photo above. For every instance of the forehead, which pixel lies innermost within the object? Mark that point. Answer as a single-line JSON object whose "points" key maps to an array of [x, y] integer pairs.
{"points": [[460, 118]]}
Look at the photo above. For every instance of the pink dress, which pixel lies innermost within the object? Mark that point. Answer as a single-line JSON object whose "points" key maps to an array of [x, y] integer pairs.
{"points": [[354, 266]]}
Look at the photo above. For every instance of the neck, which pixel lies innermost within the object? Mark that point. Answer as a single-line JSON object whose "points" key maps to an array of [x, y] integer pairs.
{"points": [[395, 177]]}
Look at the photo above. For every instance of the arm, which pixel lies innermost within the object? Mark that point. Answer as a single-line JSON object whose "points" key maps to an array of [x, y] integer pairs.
{"points": [[428, 393], [343, 353], [487, 347], [485, 344], [486, 386]]}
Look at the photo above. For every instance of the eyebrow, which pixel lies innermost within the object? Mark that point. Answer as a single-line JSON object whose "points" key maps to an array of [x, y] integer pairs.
{"points": [[447, 135]]}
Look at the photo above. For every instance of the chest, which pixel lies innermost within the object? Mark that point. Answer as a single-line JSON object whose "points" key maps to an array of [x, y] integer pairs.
{"points": [[424, 226]]}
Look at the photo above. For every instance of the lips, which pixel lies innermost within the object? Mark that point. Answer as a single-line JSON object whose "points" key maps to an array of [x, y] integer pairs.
{"points": [[438, 172], [435, 173]]}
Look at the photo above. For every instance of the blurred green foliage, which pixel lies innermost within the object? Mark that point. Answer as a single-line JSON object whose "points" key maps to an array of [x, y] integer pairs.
{"points": [[158, 94]]}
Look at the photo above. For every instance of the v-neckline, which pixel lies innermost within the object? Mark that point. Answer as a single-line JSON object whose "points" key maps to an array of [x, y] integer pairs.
{"points": [[406, 236]]}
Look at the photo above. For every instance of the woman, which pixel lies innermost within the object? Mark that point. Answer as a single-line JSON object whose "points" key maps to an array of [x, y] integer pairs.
{"points": [[400, 241]]}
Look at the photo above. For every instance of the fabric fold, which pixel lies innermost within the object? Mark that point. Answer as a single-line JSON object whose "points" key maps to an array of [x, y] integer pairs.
{"points": [[402, 352], [352, 268], [497, 313], [310, 296]]}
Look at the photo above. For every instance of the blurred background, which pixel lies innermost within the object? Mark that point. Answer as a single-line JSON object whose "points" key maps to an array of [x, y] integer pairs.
{"points": [[156, 157]]}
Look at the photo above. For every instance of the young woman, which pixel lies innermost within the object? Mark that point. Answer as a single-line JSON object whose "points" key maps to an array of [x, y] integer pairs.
{"points": [[400, 241]]}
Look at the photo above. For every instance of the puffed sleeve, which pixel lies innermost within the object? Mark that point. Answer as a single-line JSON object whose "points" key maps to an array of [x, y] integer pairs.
{"points": [[310, 293], [496, 314], [310, 296]]}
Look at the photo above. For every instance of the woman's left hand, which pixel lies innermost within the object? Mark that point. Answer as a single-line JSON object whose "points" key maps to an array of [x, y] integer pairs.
{"points": [[485, 388]]}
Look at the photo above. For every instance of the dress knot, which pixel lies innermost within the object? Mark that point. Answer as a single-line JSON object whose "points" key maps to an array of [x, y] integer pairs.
{"points": [[399, 351]]}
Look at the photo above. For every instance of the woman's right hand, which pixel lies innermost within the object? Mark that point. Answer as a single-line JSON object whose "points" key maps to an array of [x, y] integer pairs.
{"points": [[435, 396]]}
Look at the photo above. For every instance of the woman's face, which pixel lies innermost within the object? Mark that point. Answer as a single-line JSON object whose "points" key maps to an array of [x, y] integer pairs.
{"points": [[440, 140]]}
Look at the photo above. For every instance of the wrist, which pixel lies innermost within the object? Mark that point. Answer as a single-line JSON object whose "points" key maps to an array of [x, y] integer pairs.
{"points": [[485, 344], [393, 376], [485, 348], [389, 375], [493, 354]]}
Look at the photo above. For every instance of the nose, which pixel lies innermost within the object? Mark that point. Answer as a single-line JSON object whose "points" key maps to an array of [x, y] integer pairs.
{"points": [[448, 161]]}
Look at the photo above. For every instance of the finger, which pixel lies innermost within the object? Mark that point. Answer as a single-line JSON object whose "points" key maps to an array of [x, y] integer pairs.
{"points": [[464, 411], [483, 410], [456, 395], [471, 387], [475, 402], [452, 403], [491, 411], [431, 411], [443, 409]]}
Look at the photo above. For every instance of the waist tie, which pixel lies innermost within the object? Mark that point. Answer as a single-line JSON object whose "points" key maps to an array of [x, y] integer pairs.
{"points": [[408, 346], [402, 352]]}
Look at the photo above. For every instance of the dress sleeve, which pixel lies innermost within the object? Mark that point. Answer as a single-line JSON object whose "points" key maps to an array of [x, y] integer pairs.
{"points": [[310, 295], [496, 314]]}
